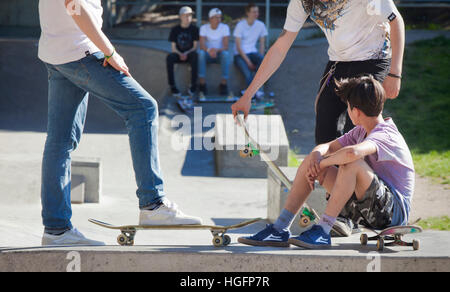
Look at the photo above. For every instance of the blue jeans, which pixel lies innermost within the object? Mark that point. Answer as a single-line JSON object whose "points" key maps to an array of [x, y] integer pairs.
{"points": [[69, 86], [223, 58], [256, 59]]}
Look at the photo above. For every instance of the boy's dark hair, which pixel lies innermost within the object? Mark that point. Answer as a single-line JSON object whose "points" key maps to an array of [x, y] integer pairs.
{"points": [[249, 7], [364, 92]]}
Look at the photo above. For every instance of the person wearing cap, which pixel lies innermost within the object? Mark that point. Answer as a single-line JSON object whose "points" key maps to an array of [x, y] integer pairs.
{"points": [[214, 37], [184, 39], [247, 34]]}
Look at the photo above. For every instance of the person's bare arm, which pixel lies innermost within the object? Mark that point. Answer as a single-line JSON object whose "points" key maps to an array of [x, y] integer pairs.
{"points": [[391, 84], [349, 154], [317, 155], [203, 44], [262, 45], [225, 42], [87, 25], [270, 64], [174, 49]]}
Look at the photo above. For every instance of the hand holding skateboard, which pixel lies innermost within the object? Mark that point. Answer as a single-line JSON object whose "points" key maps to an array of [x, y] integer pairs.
{"points": [[244, 105]]}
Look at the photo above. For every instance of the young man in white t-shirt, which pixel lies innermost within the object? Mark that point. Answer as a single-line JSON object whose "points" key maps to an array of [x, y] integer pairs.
{"points": [[214, 38], [81, 60], [247, 34], [364, 36]]}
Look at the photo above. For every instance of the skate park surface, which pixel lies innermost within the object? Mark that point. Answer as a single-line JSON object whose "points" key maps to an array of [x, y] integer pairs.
{"points": [[190, 182]]}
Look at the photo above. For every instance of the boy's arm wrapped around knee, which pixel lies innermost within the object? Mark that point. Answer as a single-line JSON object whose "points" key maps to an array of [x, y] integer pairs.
{"points": [[349, 154]]}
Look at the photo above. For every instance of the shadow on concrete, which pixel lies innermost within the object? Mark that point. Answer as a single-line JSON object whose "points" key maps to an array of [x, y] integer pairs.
{"points": [[199, 160]]}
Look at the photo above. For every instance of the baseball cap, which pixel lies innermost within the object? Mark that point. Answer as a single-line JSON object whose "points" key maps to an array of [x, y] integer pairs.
{"points": [[213, 12], [185, 10]]}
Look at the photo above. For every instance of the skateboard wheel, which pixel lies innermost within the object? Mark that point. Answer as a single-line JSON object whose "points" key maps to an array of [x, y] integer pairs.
{"points": [[363, 239], [218, 241], [304, 221], [380, 244], [122, 239], [416, 244], [244, 153], [226, 240]]}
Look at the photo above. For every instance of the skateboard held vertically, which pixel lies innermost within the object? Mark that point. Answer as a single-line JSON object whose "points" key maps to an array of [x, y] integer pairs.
{"points": [[128, 232], [252, 148], [393, 235]]}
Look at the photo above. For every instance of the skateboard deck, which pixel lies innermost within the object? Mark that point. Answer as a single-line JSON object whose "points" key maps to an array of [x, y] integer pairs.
{"points": [[185, 103], [393, 235], [128, 232], [308, 214], [209, 98], [262, 105]]}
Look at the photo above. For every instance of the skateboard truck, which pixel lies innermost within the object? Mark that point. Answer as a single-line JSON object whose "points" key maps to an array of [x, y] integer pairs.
{"points": [[306, 217], [249, 151], [393, 235]]}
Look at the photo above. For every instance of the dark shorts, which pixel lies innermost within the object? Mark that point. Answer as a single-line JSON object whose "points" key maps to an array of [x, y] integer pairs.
{"points": [[375, 210], [330, 108]]}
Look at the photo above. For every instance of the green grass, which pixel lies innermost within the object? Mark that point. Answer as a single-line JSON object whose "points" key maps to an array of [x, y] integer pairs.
{"points": [[436, 223], [422, 111], [293, 161], [426, 26]]}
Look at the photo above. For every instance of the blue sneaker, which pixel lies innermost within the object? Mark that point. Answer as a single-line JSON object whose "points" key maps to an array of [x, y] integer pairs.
{"points": [[267, 237], [315, 238]]}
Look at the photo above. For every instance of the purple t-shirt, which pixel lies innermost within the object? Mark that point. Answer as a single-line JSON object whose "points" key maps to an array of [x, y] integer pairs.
{"points": [[392, 163]]}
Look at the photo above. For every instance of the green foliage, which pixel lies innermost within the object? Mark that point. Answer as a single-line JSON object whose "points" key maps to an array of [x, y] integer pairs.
{"points": [[422, 111]]}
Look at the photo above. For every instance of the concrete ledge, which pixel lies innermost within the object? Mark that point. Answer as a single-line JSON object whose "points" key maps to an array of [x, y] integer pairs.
{"points": [[87, 172], [267, 130], [236, 80], [347, 255]]}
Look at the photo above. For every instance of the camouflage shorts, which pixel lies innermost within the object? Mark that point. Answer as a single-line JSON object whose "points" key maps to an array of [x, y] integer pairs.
{"points": [[375, 210]]}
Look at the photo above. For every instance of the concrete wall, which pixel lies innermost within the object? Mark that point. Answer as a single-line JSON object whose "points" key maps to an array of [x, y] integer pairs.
{"points": [[27, 105], [19, 13]]}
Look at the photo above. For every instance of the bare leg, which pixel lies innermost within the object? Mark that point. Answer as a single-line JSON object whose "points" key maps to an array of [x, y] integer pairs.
{"points": [[301, 189], [353, 177]]}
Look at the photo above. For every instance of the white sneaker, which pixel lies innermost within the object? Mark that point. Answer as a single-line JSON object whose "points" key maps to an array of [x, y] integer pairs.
{"points": [[71, 237], [259, 94], [167, 214]]}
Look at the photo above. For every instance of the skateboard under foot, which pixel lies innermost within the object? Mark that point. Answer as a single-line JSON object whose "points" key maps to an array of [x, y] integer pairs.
{"points": [[128, 232], [393, 235]]}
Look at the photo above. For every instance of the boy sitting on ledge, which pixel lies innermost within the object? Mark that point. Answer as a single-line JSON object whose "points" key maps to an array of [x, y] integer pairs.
{"points": [[373, 184]]}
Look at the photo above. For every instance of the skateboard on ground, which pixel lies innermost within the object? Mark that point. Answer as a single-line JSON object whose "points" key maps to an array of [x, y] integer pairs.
{"points": [[393, 235], [128, 232], [185, 103], [221, 98], [252, 149]]}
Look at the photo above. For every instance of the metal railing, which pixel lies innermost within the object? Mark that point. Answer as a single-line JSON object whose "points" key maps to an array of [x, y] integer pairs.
{"points": [[199, 4], [267, 4]]}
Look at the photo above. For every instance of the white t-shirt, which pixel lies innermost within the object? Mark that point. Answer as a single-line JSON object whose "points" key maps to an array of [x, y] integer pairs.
{"points": [[214, 36], [249, 35], [61, 40], [357, 30]]}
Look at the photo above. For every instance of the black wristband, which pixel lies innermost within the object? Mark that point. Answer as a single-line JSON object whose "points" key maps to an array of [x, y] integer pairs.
{"points": [[395, 76]]}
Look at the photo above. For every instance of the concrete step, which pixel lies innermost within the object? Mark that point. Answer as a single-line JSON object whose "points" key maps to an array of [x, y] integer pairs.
{"points": [[346, 255]]}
